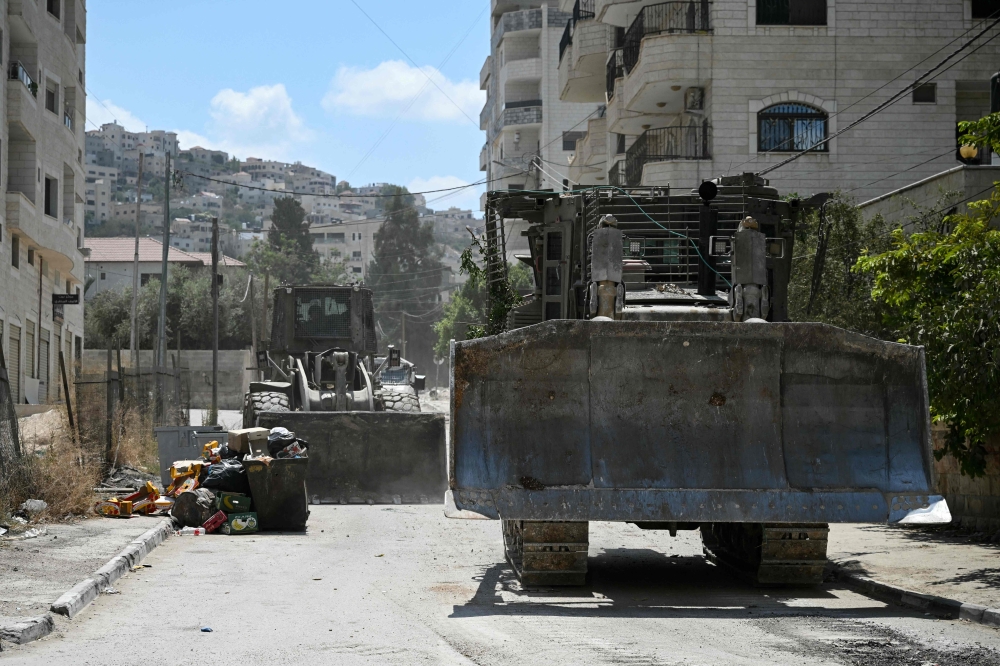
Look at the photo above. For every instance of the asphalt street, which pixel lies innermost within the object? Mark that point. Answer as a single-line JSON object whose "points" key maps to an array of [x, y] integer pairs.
{"points": [[405, 585]]}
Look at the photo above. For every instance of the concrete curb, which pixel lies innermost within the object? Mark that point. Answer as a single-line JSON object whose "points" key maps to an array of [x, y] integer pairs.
{"points": [[948, 608], [26, 629], [76, 599]]}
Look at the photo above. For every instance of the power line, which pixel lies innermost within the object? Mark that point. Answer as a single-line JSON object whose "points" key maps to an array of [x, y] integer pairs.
{"points": [[413, 62], [892, 100], [417, 96]]}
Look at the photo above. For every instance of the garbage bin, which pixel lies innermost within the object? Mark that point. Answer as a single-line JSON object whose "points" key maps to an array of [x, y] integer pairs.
{"points": [[278, 487]]}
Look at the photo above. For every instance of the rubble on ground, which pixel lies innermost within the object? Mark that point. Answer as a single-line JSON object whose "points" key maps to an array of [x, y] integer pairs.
{"points": [[38, 431]]}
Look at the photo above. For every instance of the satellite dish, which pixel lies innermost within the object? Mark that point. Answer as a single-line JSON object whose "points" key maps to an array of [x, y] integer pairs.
{"points": [[708, 190]]}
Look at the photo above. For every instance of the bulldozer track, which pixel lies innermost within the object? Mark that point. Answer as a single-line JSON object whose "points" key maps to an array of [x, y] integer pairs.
{"points": [[769, 554]]}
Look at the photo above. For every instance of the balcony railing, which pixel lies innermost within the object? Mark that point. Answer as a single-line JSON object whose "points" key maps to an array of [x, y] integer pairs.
{"points": [[526, 19], [17, 72], [583, 9], [616, 174], [687, 142], [523, 114], [523, 104], [667, 17], [616, 70]]}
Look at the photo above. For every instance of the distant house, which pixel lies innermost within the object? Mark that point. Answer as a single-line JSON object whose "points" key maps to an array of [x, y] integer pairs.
{"points": [[111, 261]]}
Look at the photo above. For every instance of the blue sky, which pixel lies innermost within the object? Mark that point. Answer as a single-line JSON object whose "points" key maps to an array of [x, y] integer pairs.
{"points": [[309, 80]]}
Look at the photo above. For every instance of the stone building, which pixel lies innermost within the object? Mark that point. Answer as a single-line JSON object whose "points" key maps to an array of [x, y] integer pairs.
{"points": [[699, 89], [530, 130], [42, 172]]}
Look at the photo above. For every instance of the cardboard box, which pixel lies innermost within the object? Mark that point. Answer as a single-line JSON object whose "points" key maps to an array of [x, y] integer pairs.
{"points": [[215, 522], [240, 523], [232, 502], [242, 441]]}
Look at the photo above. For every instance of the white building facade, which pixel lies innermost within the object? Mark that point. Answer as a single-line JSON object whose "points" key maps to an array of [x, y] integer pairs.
{"points": [[530, 130], [696, 90], [42, 172]]}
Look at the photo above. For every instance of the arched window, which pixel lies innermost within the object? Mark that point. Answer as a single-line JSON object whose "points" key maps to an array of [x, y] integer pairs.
{"points": [[791, 127]]}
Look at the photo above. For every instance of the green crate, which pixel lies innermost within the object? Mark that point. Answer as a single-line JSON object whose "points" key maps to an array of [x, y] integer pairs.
{"points": [[240, 523], [232, 502]]}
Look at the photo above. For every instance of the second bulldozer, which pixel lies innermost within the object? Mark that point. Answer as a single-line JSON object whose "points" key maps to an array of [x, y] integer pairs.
{"points": [[359, 412]]}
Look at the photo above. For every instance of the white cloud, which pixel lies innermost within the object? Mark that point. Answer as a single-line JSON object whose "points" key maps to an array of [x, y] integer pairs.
{"points": [[465, 199], [260, 122], [106, 111], [391, 87]]}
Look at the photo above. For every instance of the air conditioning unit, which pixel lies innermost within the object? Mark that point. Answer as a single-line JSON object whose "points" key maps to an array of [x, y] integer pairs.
{"points": [[694, 99]]}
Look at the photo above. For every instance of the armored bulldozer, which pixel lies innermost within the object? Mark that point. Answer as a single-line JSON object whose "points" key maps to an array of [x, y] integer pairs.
{"points": [[359, 411], [654, 378]]}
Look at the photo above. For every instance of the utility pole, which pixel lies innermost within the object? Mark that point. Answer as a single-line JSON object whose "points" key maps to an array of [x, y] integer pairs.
{"points": [[402, 318], [161, 333], [265, 335], [215, 322], [133, 344], [253, 327]]}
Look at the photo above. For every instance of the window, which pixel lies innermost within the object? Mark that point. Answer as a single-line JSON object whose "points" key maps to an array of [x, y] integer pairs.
{"points": [[570, 138], [51, 197], [791, 12], [925, 94], [51, 96], [31, 256], [15, 251], [144, 278], [791, 127], [104, 276], [985, 8], [54, 7]]}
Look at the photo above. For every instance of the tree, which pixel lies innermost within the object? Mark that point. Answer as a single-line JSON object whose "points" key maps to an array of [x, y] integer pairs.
{"points": [[406, 275], [940, 290], [465, 315]]}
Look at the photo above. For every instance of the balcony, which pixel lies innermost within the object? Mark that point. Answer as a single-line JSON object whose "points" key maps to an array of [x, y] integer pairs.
{"points": [[614, 69], [17, 72], [582, 65], [517, 114], [582, 9], [484, 73], [486, 115], [483, 161], [590, 158], [667, 144], [526, 19], [54, 241], [689, 17], [522, 69], [616, 174]]}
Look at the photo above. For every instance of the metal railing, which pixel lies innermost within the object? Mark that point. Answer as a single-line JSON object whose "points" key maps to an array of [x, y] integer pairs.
{"points": [[666, 17], [583, 9], [616, 174], [17, 72], [681, 142], [616, 70], [522, 104]]}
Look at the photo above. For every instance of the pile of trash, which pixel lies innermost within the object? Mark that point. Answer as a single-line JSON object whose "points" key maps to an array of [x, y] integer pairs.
{"points": [[214, 493], [18, 526]]}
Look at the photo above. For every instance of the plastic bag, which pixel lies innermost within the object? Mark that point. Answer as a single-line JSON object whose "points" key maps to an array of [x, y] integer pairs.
{"points": [[228, 476]]}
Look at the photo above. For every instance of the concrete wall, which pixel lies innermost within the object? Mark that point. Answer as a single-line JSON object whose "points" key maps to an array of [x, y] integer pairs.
{"points": [[974, 503], [196, 373], [972, 183]]}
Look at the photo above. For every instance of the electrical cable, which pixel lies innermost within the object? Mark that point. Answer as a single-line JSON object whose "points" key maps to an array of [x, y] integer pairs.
{"points": [[413, 62], [892, 100]]}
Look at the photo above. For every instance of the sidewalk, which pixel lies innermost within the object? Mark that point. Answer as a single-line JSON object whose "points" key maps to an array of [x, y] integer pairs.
{"points": [[924, 560], [35, 572]]}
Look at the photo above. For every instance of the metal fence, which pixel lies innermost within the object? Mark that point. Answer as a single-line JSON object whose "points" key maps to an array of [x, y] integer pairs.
{"points": [[157, 393]]}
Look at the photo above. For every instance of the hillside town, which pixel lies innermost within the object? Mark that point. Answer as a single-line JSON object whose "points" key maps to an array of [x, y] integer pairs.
{"points": [[562, 331]]}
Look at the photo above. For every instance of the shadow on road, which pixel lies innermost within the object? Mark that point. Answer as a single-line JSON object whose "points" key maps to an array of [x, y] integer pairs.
{"points": [[645, 583]]}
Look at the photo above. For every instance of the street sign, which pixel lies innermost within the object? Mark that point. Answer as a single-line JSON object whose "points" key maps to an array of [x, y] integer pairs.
{"points": [[65, 299]]}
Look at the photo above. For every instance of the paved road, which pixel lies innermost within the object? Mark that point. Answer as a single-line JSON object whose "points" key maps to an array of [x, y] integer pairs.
{"points": [[404, 585]]}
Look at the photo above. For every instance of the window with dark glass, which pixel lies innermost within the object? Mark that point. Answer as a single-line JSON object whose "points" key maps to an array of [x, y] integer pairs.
{"points": [[569, 139], [985, 9], [790, 128], [791, 12], [619, 144], [925, 94]]}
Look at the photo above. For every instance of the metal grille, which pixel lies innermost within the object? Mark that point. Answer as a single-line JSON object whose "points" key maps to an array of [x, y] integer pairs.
{"points": [[664, 17], [322, 314], [368, 314], [661, 228], [791, 127]]}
